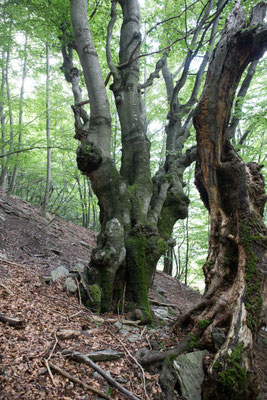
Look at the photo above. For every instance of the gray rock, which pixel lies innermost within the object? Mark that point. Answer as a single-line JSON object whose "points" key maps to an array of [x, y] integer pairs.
{"points": [[161, 313], [59, 272], [189, 370], [78, 267], [70, 285], [105, 355], [218, 337], [161, 291], [124, 332], [118, 325], [133, 338]]}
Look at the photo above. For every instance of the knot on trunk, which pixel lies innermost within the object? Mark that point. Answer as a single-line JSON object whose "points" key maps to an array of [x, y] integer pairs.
{"points": [[89, 158]]}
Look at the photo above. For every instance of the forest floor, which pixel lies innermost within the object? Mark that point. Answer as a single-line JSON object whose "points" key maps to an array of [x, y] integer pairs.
{"points": [[51, 320]]}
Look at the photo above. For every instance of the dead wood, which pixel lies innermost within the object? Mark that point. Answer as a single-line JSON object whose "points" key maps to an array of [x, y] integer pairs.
{"points": [[6, 289], [15, 322], [76, 380], [79, 357]]}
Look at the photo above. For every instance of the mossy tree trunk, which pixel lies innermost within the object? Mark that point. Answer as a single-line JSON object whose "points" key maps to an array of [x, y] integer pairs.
{"points": [[137, 212], [233, 192], [227, 319]]}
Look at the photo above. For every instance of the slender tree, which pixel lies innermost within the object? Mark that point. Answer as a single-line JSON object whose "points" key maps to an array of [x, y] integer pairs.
{"points": [[48, 134]]}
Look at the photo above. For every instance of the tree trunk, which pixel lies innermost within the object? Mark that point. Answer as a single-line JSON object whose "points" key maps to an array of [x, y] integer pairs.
{"points": [[3, 125], [49, 150], [227, 319], [233, 192], [21, 99]]}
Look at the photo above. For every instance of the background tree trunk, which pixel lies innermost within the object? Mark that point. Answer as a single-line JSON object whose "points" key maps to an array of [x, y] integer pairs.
{"points": [[49, 150]]}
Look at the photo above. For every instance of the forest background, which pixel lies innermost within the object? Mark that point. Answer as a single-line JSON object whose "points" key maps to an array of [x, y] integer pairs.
{"points": [[38, 159]]}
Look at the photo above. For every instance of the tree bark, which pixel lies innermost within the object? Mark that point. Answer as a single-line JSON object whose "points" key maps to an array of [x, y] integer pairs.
{"points": [[48, 134], [233, 192], [24, 72], [137, 212]]}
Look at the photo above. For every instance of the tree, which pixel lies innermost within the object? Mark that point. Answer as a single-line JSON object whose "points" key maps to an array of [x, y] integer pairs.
{"points": [[137, 212], [233, 192]]}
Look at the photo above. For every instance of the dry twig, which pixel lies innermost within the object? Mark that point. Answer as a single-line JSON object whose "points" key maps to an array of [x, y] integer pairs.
{"points": [[79, 357], [76, 380], [15, 322], [6, 289], [136, 362]]}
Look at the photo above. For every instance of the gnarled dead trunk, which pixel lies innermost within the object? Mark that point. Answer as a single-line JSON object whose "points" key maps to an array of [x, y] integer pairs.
{"points": [[228, 317]]}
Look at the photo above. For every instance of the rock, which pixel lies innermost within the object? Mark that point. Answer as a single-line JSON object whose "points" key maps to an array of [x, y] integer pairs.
{"points": [[105, 355], [59, 272], [118, 325], [48, 279], [218, 337], [161, 313], [133, 338], [136, 315], [68, 334], [70, 285], [189, 370], [79, 267], [124, 332], [161, 291]]}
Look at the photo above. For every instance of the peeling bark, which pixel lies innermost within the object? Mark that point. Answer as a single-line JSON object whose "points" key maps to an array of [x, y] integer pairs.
{"points": [[234, 194]]}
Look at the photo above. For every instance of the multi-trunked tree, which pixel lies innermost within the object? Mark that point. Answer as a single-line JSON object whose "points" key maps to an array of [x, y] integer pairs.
{"points": [[138, 211]]}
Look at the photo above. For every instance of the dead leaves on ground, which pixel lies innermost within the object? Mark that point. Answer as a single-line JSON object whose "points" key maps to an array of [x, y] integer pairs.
{"points": [[46, 310]]}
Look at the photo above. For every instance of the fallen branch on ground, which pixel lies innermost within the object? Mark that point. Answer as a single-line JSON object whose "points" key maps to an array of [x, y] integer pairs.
{"points": [[79, 357], [76, 380], [6, 289], [135, 360], [17, 323]]}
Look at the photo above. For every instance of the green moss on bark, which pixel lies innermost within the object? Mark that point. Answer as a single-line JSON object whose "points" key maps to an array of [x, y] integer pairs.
{"points": [[138, 273], [96, 296], [233, 379], [253, 299]]}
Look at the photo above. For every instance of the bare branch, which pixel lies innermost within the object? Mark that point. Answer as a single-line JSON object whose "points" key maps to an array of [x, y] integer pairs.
{"points": [[113, 17], [155, 74]]}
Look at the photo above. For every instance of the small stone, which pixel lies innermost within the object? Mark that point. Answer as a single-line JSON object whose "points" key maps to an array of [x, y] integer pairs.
{"points": [[59, 272], [161, 291], [161, 313], [133, 338], [70, 285], [124, 332], [136, 315], [78, 267], [118, 325]]}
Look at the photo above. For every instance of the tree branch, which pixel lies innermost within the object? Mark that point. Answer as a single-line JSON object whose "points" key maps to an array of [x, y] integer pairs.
{"points": [[113, 15], [239, 101], [155, 74]]}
